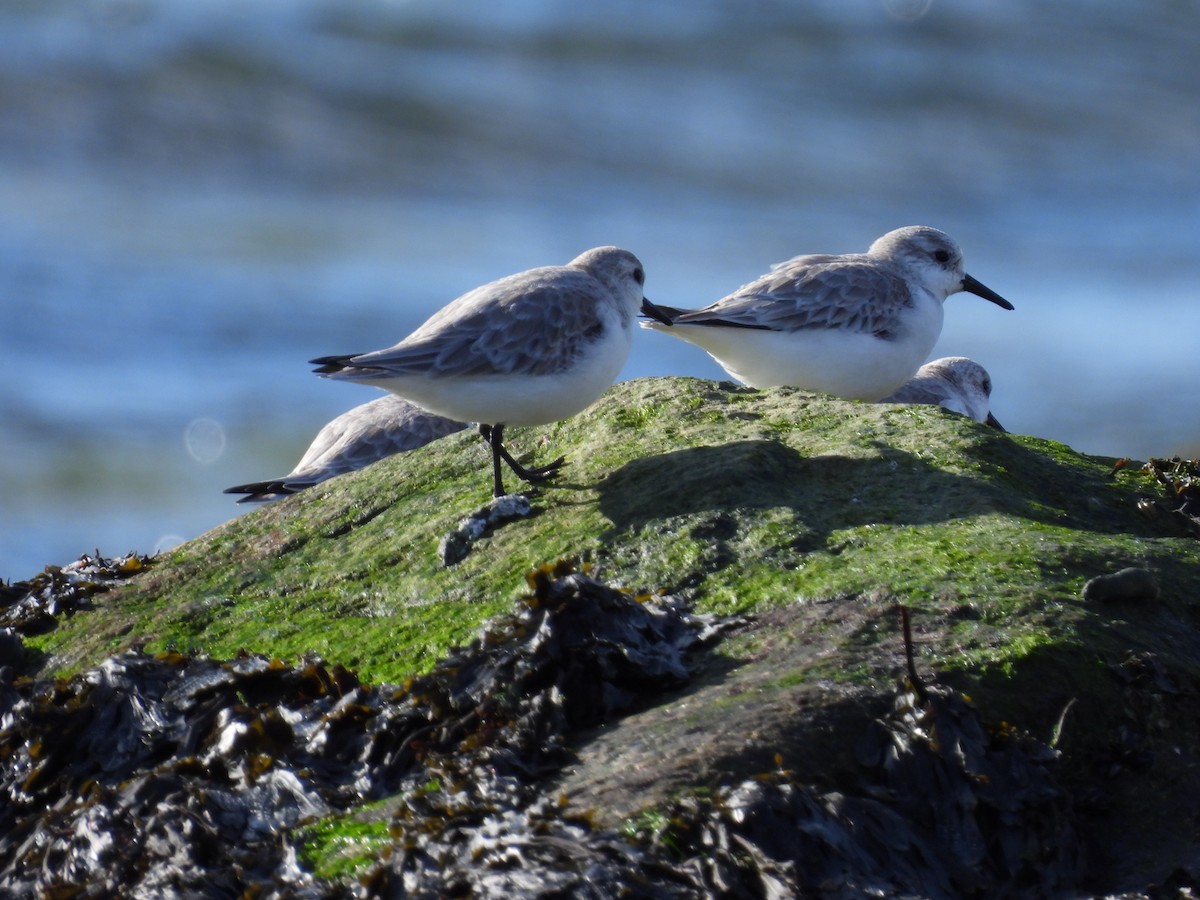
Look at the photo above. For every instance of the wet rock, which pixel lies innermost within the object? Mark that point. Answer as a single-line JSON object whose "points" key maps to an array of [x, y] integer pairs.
{"points": [[121, 780], [1129, 584], [772, 501], [945, 809]]}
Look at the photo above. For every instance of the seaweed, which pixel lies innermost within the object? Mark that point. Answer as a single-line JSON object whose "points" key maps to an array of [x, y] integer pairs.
{"points": [[34, 606], [181, 774]]}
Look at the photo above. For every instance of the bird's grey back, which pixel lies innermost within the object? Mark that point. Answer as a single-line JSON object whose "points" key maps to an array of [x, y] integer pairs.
{"points": [[533, 323], [850, 292]]}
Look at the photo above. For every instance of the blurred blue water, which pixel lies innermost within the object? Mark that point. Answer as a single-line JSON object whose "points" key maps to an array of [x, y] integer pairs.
{"points": [[197, 198]]}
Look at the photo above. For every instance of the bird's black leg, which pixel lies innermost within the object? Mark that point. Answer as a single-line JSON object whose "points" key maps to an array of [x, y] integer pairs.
{"points": [[494, 435]]}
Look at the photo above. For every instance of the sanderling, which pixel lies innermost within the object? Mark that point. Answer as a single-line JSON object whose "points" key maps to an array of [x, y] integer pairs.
{"points": [[955, 383], [856, 326], [528, 349], [352, 441]]}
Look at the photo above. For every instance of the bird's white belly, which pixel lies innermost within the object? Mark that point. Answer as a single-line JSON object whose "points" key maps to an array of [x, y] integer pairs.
{"points": [[847, 364], [517, 399]]}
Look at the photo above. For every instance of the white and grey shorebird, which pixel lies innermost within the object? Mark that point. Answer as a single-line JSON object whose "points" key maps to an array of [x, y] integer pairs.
{"points": [[355, 439], [529, 349], [956, 383], [855, 325]]}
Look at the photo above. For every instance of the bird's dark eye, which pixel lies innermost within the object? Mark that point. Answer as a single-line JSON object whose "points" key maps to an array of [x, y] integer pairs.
{"points": [[941, 255], [639, 276]]}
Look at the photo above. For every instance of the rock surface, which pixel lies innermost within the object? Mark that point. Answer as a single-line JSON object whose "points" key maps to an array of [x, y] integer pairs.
{"points": [[811, 517]]}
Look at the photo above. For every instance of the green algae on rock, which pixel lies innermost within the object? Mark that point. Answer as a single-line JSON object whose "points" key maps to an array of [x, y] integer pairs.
{"points": [[815, 516], [744, 500]]}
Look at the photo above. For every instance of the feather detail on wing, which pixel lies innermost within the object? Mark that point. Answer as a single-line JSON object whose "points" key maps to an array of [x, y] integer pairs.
{"points": [[371, 432], [536, 328], [352, 441], [811, 292]]}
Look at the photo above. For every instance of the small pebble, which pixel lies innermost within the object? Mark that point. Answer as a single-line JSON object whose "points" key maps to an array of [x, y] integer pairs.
{"points": [[455, 546]]}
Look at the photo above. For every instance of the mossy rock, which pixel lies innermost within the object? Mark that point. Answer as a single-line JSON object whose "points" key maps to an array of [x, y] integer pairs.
{"points": [[814, 517]]}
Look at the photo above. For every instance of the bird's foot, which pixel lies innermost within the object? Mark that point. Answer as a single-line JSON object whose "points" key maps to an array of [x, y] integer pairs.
{"points": [[539, 473]]}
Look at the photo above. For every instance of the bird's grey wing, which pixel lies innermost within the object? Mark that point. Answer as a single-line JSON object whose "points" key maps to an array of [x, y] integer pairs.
{"points": [[353, 441], [853, 293], [318, 463], [392, 438], [368, 433], [417, 427], [536, 330]]}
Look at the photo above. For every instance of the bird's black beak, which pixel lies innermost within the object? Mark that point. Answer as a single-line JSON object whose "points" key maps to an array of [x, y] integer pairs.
{"points": [[650, 311], [979, 290], [994, 422]]}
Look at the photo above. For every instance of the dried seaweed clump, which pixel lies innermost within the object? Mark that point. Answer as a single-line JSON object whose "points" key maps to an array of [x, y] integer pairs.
{"points": [[33, 606], [1180, 482], [171, 775]]}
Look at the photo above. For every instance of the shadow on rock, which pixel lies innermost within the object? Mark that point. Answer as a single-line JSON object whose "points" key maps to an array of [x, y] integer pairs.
{"points": [[830, 492], [824, 492]]}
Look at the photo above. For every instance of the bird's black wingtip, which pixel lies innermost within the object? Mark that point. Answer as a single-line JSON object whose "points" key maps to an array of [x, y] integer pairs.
{"points": [[663, 314], [260, 490], [331, 365]]}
